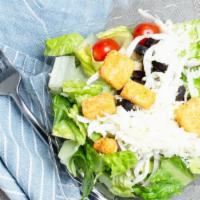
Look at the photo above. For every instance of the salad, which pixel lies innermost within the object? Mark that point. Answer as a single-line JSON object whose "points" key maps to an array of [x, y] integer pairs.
{"points": [[126, 103]]}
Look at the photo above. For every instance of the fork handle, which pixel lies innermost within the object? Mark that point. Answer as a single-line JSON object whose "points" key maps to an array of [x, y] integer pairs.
{"points": [[41, 131]]}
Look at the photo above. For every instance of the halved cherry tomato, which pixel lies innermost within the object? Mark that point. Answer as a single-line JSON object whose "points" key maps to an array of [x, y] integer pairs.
{"points": [[103, 47], [145, 28]]}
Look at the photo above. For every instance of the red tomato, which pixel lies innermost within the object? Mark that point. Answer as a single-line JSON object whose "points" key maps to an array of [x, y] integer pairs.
{"points": [[102, 47], [145, 28]]}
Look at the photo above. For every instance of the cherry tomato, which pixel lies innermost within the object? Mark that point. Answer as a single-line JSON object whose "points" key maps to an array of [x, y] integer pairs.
{"points": [[102, 47], [145, 28]]}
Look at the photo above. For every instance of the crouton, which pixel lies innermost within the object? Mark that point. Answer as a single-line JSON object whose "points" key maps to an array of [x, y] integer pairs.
{"points": [[98, 106], [187, 115], [116, 69], [106, 145], [138, 94]]}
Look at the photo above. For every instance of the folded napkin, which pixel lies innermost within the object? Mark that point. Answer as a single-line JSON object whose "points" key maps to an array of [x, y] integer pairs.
{"points": [[27, 170]]}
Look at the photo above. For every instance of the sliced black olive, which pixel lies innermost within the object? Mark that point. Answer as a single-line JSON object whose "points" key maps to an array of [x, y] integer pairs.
{"points": [[158, 67], [137, 76], [119, 91], [150, 41], [181, 93], [140, 49], [127, 105]]}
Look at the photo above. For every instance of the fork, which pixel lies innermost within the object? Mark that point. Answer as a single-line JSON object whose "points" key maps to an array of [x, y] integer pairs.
{"points": [[9, 86]]}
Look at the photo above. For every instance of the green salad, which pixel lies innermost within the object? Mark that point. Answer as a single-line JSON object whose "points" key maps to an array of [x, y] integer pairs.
{"points": [[126, 101]]}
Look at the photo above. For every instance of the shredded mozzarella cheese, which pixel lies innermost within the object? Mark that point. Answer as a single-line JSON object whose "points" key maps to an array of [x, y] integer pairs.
{"points": [[93, 78], [147, 132]]}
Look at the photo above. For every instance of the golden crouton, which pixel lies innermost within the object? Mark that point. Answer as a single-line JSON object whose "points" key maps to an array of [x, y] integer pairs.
{"points": [[138, 94], [98, 106], [116, 69], [187, 115], [106, 145]]}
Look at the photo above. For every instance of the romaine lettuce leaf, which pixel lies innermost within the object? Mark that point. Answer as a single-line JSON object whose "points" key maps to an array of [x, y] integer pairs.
{"points": [[194, 73], [169, 179], [60, 105], [64, 69], [79, 90], [121, 34], [68, 149], [84, 55], [77, 163], [95, 136], [72, 114], [194, 165], [63, 45], [91, 164], [94, 165], [65, 129], [120, 162], [191, 32], [197, 84], [65, 123], [120, 185], [69, 130]]}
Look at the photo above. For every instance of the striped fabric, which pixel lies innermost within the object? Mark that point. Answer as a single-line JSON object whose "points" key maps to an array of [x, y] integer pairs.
{"points": [[26, 167]]}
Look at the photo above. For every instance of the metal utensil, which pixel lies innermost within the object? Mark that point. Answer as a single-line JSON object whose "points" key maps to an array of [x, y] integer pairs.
{"points": [[9, 83]]}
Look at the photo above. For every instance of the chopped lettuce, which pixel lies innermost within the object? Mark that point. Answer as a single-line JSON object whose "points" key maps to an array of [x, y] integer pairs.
{"points": [[79, 90], [120, 185], [65, 129], [191, 32], [197, 84], [63, 45], [194, 165], [194, 73], [64, 69], [88, 161], [65, 123], [60, 105], [94, 165], [72, 114], [84, 55], [121, 34], [66, 152], [69, 130], [169, 179], [120, 162], [95, 136]]}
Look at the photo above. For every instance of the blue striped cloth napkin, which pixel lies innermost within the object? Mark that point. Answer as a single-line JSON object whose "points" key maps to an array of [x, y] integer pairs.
{"points": [[26, 167]]}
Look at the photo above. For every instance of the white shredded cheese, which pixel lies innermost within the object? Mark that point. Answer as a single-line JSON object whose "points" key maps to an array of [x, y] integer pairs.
{"points": [[148, 131], [141, 177], [93, 78], [193, 63], [190, 80], [134, 43]]}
